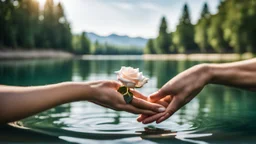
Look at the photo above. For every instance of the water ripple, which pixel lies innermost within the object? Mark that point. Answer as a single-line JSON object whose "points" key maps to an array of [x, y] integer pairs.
{"points": [[93, 122]]}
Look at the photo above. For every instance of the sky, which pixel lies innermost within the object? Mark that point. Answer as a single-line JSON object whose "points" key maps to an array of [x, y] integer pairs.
{"points": [[129, 17]]}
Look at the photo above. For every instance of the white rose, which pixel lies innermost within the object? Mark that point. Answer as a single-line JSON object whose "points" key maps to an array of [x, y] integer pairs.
{"points": [[131, 77]]}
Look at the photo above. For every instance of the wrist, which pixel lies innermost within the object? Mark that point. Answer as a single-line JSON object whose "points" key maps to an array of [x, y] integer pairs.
{"points": [[81, 90], [206, 72], [212, 71]]}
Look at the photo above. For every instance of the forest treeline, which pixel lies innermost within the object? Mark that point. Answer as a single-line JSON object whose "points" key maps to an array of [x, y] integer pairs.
{"points": [[24, 25], [231, 30]]}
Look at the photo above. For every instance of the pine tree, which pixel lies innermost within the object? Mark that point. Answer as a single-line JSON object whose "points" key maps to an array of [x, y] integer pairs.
{"points": [[2, 22], [26, 16], [149, 49], [215, 32], [95, 47], [201, 28], [85, 44], [163, 40], [49, 24], [64, 39], [184, 35], [185, 18], [7, 23], [205, 12], [239, 28]]}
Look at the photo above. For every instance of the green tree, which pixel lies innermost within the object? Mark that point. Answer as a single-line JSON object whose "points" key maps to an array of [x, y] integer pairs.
{"points": [[183, 38], [48, 30], [26, 16], [23, 25], [201, 28], [215, 32], [149, 49], [64, 40], [81, 44], [7, 23], [163, 41], [215, 35], [85, 44], [95, 47], [239, 28]]}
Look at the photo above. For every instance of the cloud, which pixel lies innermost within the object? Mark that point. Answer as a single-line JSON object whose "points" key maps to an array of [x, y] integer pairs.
{"points": [[150, 6], [123, 5], [128, 17]]}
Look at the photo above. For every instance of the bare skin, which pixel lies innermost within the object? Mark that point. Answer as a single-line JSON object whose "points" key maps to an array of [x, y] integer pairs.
{"points": [[185, 86], [20, 102]]}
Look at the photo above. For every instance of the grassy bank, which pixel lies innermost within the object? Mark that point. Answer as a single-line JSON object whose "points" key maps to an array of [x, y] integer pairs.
{"points": [[191, 57], [30, 54], [200, 57], [35, 54]]}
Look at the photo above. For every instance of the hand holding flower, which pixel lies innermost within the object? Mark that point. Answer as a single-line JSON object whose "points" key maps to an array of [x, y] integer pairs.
{"points": [[105, 93], [130, 78]]}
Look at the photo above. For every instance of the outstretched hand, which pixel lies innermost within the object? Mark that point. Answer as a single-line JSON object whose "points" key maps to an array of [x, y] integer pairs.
{"points": [[105, 94], [177, 92]]}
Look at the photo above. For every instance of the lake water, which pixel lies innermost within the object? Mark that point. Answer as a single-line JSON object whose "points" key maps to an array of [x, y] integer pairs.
{"points": [[218, 114]]}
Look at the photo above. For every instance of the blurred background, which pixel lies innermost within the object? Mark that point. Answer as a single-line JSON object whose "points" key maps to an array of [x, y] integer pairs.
{"points": [[143, 30], [128, 26]]}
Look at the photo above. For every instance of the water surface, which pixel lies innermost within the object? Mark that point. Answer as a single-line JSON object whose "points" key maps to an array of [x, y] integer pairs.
{"points": [[218, 114]]}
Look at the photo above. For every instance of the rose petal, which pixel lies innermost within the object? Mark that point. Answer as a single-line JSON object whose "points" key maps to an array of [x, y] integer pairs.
{"points": [[131, 77], [127, 82], [142, 82], [129, 74]]}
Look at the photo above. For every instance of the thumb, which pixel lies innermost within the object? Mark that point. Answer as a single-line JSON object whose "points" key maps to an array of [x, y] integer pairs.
{"points": [[156, 96]]}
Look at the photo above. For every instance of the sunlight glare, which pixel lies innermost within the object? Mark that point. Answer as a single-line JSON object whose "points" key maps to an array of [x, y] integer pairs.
{"points": [[42, 2]]}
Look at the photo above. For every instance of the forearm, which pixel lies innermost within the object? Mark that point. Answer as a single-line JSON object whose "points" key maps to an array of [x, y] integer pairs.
{"points": [[20, 102], [238, 74]]}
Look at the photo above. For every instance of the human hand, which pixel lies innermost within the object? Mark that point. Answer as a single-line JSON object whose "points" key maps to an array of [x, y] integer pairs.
{"points": [[177, 92], [105, 93]]}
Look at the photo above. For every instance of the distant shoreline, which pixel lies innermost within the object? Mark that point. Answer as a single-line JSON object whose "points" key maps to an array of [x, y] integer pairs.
{"points": [[191, 57], [33, 54], [200, 57], [37, 54]]}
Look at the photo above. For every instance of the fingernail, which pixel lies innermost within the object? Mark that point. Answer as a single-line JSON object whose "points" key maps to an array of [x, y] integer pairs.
{"points": [[161, 109], [150, 98]]}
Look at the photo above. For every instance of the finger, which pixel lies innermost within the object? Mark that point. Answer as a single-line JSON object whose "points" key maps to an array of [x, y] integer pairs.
{"points": [[139, 103], [142, 117], [168, 99], [153, 118], [138, 94], [163, 103], [134, 110], [170, 110], [156, 96]]}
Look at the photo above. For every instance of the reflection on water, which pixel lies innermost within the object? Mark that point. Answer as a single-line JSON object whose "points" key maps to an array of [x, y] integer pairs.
{"points": [[217, 114]]}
